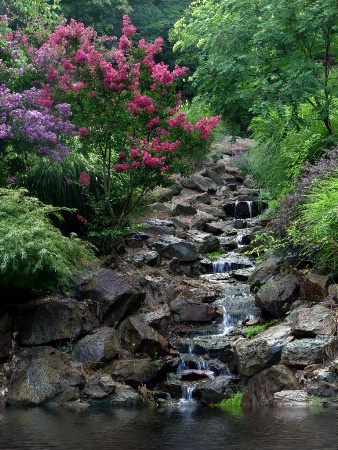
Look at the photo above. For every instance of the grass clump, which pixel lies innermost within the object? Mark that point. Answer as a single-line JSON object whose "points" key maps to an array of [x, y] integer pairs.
{"points": [[257, 328], [213, 255], [34, 255], [234, 401]]}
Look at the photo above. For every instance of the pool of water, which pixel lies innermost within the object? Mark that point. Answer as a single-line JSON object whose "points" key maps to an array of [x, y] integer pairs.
{"points": [[177, 427]]}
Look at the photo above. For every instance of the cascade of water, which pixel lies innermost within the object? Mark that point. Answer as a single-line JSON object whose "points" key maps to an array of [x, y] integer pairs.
{"points": [[187, 393], [220, 267], [250, 208]]}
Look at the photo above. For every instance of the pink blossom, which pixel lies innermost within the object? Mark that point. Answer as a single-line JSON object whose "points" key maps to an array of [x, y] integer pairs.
{"points": [[134, 153], [135, 164], [84, 179], [122, 155], [124, 43], [121, 167], [69, 181], [128, 29], [83, 131], [80, 218]]}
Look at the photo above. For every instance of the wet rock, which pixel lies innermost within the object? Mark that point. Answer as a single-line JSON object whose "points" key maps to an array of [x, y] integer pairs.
{"points": [[159, 319], [223, 191], [134, 241], [276, 297], [257, 354], [138, 371], [215, 228], [201, 219], [137, 337], [138, 259], [200, 198], [264, 271], [114, 295], [303, 352], [313, 286], [200, 183], [262, 386], [214, 211], [184, 209], [215, 390], [291, 398], [209, 245], [159, 291], [100, 345], [324, 383], [243, 274], [172, 247], [93, 390], [125, 395], [309, 322], [191, 311], [56, 319], [240, 224], [39, 375]]}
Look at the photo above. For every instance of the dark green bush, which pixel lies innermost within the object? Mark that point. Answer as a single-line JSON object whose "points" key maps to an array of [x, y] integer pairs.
{"points": [[34, 255]]}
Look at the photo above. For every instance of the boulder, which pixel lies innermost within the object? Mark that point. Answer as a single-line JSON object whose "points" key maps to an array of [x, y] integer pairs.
{"points": [[93, 389], [200, 183], [159, 291], [99, 345], [125, 395], [254, 355], [313, 286], [138, 371], [173, 247], [210, 244], [137, 337], [114, 295], [214, 227], [215, 390], [159, 319], [56, 319], [262, 386], [291, 398], [185, 209], [192, 311], [214, 176], [324, 383], [309, 322], [40, 375], [303, 352], [271, 266], [276, 297]]}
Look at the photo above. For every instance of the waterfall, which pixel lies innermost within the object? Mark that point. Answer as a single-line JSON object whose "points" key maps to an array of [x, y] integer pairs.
{"points": [[250, 208], [187, 393]]}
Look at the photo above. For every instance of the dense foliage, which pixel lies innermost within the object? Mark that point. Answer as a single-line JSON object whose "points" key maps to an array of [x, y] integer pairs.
{"points": [[34, 255]]}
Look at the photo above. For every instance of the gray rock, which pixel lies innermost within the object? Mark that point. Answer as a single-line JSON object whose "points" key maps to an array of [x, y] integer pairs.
{"points": [[100, 345], [40, 383], [214, 227], [243, 274], [173, 247], [93, 389], [303, 352], [191, 311], [215, 390], [262, 386], [276, 297], [308, 322], [291, 398], [114, 295], [137, 337], [255, 355], [313, 286], [159, 319], [200, 183], [138, 259], [138, 371], [240, 224], [185, 209], [56, 319], [210, 244], [152, 259], [125, 395], [264, 271]]}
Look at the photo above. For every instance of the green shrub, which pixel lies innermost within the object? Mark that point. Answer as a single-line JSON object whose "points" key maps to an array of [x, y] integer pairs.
{"points": [[234, 401], [284, 146], [315, 230], [34, 255]]}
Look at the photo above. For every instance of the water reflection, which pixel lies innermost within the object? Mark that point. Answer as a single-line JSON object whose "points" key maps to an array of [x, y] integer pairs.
{"points": [[175, 427]]}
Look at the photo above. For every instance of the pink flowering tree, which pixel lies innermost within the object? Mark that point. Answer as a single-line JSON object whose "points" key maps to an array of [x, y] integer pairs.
{"points": [[124, 105]]}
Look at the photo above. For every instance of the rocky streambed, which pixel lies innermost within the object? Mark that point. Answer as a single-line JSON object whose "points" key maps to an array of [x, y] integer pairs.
{"points": [[170, 315]]}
